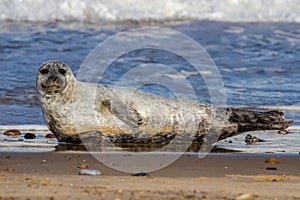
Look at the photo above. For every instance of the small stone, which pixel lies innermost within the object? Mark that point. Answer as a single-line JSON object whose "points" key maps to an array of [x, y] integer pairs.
{"points": [[271, 168], [12, 132], [83, 166], [249, 139], [91, 172], [282, 132], [272, 161], [9, 169], [29, 136], [44, 163], [244, 197], [140, 174], [50, 135]]}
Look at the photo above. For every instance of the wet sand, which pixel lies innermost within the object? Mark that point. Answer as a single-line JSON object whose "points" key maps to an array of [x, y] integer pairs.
{"points": [[54, 175]]}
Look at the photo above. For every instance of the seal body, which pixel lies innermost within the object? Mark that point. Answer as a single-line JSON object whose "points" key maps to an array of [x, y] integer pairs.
{"points": [[126, 115]]}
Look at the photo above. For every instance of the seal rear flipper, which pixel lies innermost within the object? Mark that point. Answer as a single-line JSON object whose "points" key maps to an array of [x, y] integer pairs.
{"points": [[247, 120]]}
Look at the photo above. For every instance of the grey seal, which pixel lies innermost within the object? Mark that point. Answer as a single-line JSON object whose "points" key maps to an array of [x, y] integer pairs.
{"points": [[126, 115]]}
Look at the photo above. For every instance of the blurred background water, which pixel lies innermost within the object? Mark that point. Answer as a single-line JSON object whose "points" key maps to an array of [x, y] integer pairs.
{"points": [[256, 47]]}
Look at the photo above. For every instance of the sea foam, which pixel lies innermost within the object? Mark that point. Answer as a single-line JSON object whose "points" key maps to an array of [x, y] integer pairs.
{"points": [[155, 10]]}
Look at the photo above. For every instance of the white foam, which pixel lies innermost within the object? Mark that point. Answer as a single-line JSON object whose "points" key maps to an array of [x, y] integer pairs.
{"points": [[286, 108], [26, 127], [145, 10], [274, 142]]}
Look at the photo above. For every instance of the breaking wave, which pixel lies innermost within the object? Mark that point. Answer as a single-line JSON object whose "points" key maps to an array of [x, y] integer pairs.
{"points": [[144, 10]]}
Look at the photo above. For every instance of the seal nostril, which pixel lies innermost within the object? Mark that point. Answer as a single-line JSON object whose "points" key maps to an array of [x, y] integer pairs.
{"points": [[53, 78], [44, 71], [62, 71]]}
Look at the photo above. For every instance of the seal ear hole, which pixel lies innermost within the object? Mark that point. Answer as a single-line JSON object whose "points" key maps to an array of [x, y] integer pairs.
{"points": [[62, 71], [44, 71]]}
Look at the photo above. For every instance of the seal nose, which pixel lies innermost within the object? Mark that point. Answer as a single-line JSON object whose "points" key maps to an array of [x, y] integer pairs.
{"points": [[53, 78]]}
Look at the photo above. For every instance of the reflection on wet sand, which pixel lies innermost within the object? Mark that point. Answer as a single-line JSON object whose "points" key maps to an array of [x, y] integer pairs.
{"points": [[138, 148]]}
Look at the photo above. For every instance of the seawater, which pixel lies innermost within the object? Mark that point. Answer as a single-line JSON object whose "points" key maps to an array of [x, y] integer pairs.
{"points": [[258, 57]]}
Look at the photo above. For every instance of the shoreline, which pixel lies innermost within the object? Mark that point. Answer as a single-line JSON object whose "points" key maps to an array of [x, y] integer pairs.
{"points": [[54, 175]]}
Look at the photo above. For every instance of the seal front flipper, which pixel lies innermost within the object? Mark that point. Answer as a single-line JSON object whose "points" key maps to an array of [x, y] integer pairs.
{"points": [[122, 111]]}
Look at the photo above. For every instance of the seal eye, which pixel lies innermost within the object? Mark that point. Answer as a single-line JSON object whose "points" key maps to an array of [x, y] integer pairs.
{"points": [[44, 71], [62, 71]]}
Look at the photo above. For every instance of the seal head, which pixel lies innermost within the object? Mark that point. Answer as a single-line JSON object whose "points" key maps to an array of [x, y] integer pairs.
{"points": [[53, 77]]}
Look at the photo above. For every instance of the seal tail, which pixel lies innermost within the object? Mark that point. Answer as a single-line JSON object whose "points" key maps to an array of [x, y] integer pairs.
{"points": [[247, 120]]}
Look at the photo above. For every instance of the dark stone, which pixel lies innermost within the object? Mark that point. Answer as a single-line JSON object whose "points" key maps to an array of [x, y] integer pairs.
{"points": [[29, 136], [140, 174], [271, 168], [249, 139]]}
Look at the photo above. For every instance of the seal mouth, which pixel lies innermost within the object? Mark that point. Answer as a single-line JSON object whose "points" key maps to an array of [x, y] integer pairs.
{"points": [[53, 88], [53, 84]]}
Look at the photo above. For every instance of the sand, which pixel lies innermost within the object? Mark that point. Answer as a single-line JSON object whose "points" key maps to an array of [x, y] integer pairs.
{"points": [[54, 175]]}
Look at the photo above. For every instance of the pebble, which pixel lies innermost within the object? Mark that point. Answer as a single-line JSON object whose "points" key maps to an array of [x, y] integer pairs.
{"points": [[272, 161], [44, 163], [92, 172], [83, 166], [282, 132], [249, 139], [12, 132], [50, 135], [9, 169], [29, 136], [140, 174], [271, 168], [244, 197]]}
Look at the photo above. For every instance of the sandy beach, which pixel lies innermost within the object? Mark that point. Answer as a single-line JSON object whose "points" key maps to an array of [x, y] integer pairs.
{"points": [[55, 175]]}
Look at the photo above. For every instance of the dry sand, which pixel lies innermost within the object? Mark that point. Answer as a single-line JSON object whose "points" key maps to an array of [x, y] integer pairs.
{"points": [[54, 175]]}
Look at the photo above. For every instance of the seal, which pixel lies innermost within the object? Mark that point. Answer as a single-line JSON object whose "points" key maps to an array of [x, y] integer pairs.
{"points": [[126, 115]]}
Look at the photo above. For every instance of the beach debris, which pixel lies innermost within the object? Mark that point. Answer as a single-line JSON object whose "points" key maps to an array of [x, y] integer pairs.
{"points": [[91, 172], [29, 136], [244, 197], [272, 161], [271, 168], [12, 132], [282, 132], [44, 163], [82, 166], [9, 169], [140, 174], [266, 177], [50, 135], [249, 139]]}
